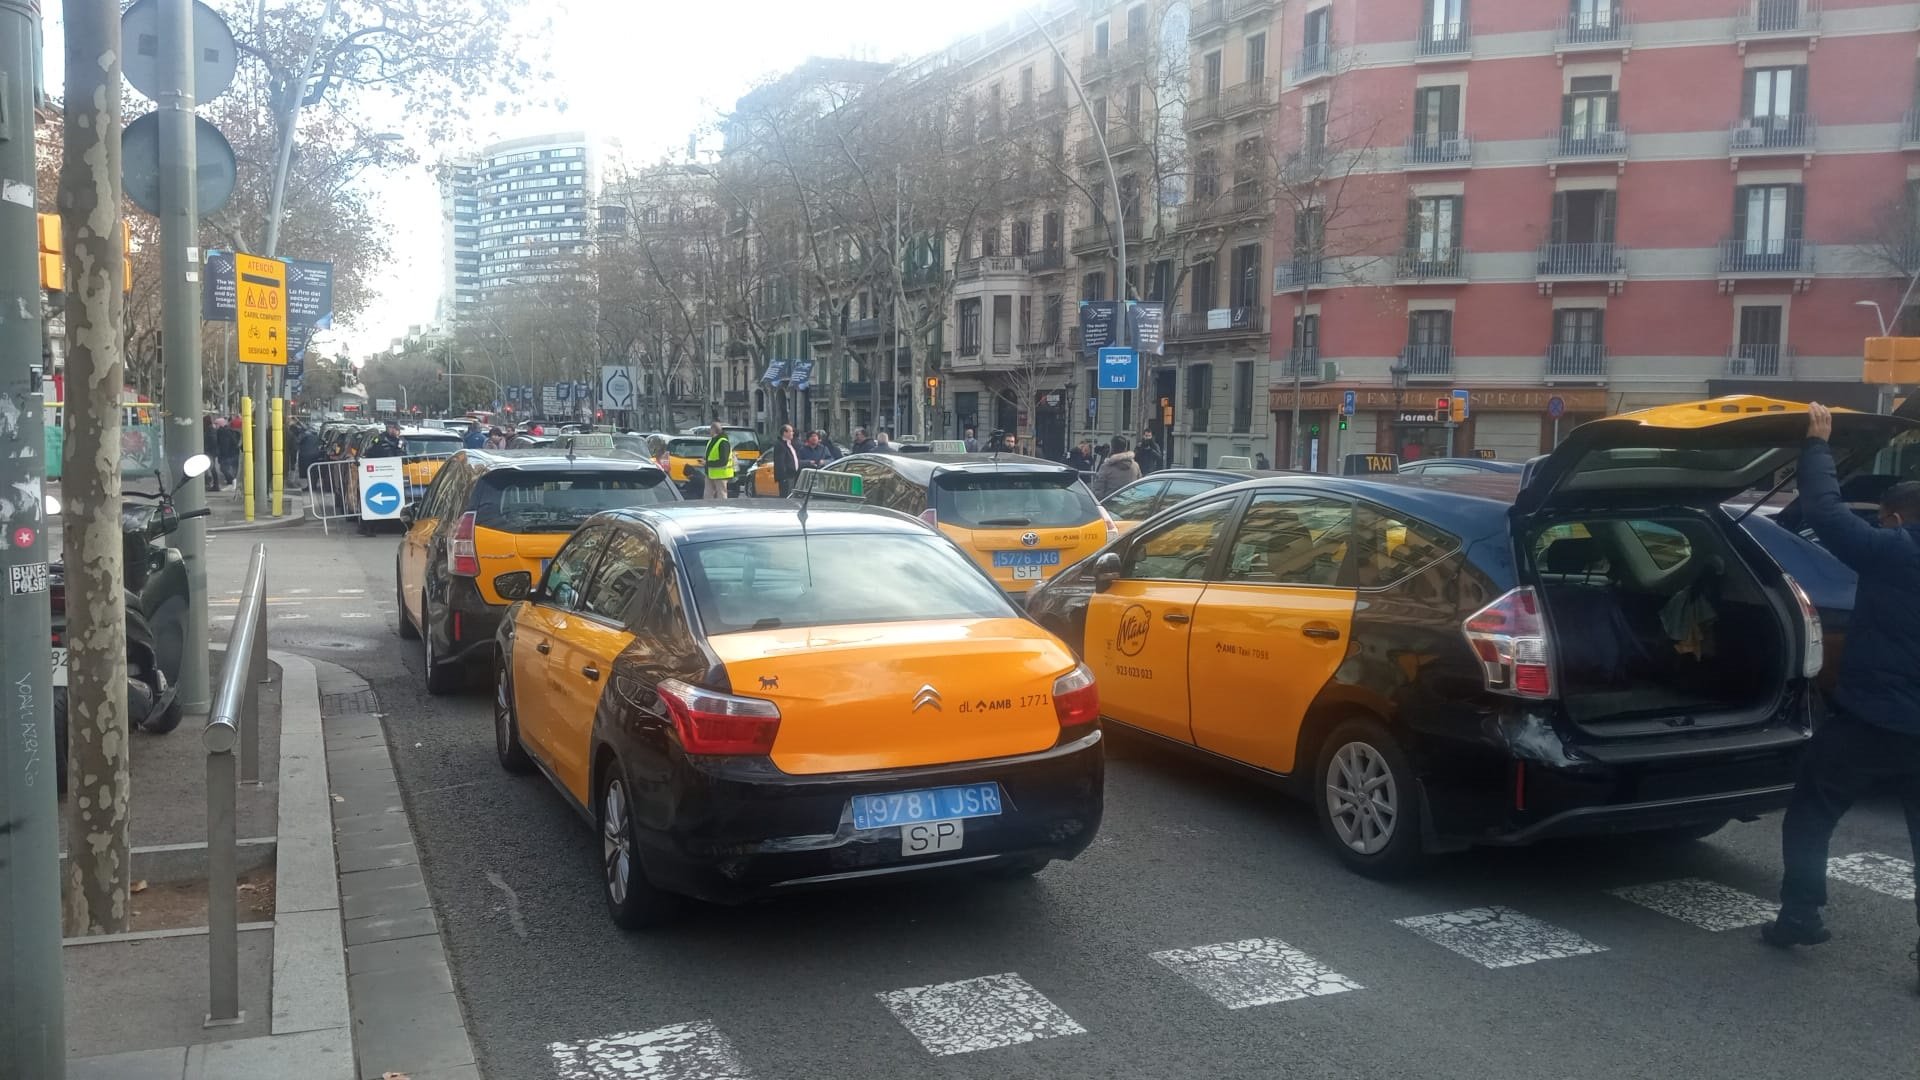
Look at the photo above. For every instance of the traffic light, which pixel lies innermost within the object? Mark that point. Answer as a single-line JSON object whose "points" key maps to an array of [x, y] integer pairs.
{"points": [[1343, 423], [53, 269], [1442, 409], [1457, 409]]}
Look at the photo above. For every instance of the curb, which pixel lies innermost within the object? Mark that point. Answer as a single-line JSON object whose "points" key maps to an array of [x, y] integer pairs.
{"points": [[284, 521]]}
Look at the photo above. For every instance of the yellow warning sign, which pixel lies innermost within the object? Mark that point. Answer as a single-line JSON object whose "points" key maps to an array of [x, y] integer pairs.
{"points": [[261, 301]]}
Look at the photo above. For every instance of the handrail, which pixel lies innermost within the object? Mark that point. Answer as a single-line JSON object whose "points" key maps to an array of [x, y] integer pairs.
{"points": [[234, 719]]}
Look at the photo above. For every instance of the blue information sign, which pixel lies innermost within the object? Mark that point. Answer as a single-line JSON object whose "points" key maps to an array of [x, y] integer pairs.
{"points": [[1119, 369], [1347, 403]]}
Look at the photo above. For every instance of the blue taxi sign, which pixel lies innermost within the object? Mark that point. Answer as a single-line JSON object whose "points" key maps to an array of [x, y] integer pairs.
{"points": [[820, 483], [1119, 369]]}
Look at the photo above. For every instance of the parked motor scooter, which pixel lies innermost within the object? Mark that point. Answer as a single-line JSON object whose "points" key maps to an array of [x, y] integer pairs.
{"points": [[156, 598]]}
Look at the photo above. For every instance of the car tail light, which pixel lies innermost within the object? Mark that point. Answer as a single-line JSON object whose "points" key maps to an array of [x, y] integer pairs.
{"points": [[930, 518], [1510, 638], [1811, 636], [1076, 700], [1113, 531], [709, 722], [462, 558]]}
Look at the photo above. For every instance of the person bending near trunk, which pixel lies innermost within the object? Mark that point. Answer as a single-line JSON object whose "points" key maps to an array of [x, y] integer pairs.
{"points": [[1872, 732]]}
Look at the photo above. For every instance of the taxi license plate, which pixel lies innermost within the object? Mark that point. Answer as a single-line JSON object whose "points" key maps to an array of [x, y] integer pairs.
{"points": [[59, 667], [926, 805], [1036, 559], [929, 837], [1029, 573]]}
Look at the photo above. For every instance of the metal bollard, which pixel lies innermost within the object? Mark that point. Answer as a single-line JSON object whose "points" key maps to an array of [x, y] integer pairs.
{"points": [[223, 879], [256, 675]]}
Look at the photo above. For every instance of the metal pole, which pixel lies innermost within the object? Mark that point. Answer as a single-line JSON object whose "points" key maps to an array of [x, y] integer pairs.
{"points": [[256, 675], [223, 917], [180, 332], [32, 1018]]}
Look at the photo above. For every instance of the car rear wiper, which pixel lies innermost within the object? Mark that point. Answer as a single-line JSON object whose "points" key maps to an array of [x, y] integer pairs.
{"points": [[766, 624], [1006, 521]]}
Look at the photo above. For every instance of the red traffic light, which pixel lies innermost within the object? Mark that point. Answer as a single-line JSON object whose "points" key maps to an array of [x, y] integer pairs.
{"points": [[507, 409], [599, 414]]}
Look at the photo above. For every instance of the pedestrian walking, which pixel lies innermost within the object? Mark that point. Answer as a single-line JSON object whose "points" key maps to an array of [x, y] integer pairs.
{"points": [[972, 440], [1147, 454], [719, 461], [209, 438], [1260, 462], [475, 438], [1081, 456], [226, 436], [786, 460], [1872, 732], [1117, 471], [883, 443]]}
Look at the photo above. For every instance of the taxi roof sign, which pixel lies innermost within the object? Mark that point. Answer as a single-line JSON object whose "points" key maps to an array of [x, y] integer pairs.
{"points": [[947, 446], [820, 483]]}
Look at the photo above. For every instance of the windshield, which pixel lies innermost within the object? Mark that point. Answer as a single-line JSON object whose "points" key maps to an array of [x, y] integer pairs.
{"points": [[687, 447], [1013, 500], [558, 501], [743, 439], [419, 445], [761, 583]]}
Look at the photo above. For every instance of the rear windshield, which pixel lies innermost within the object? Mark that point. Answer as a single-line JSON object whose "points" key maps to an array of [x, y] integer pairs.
{"points": [[761, 583], [1013, 500], [559, 501], [689, 447], [743, 439], [427, 445]]}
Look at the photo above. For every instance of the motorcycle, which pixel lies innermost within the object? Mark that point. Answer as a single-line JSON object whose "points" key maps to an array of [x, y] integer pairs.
{"points": [[156, 599]]}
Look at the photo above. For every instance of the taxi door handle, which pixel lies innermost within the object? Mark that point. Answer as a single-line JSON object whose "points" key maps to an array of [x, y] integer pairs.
{"points": [[1320, 630], [591, 672], [544, 648], [1176, 617]]}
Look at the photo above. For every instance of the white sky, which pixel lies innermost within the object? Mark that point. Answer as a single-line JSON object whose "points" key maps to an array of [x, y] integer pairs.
{"points": [[644, 73]]}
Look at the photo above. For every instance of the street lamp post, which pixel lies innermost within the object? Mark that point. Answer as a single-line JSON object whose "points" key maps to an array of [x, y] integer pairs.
{"points": [[1877, 313]]}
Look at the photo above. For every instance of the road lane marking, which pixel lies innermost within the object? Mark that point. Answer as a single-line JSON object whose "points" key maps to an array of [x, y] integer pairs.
{"points": [[298, 592], [1257, 971], [978, 1014], [695, 1050], [1499, 937], [1872, 870], [356, 615], [1708, 905]]}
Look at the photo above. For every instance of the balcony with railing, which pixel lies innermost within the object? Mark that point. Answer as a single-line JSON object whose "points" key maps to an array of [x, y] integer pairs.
{"points": [[1590, 260], [860, 329], [1205, 110], [1429, 264], [1240, 9], [1218, 323], [1240, 204], [1207, 17], [1603, 28], [1791, 132], [733, 397], [1302, 364], [1122, 138], [1578, 361], [1046, 260], [1095, 237], [1760, 362], [1445, 150], [1589, 142], [1246, 97], [1313, 61], [1427, 361], [1773, 257], [1123, 55], [1777, 19], [1443, 41], [1299, 272], [988, 265]]}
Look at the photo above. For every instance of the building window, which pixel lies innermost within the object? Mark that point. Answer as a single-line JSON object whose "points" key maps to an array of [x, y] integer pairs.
{"points": [[1094, 286], [1306, 344], [1429, 342], [1761, 350], [1200, 395], [1775, 93], [1100, 114], [969, 320], [1591, 108], [1200, 286], [1159, 279], [1026, 321], [1210, 76], [1436, 115], [1026, 85], [1314, 144], [1583, 218], [1246, 285], [1133, 107], [1050, 319], [1446, 22], [1136, 23], [1242, 396], [1002, 325], [990, 240], [1256, 57], [1206, 177], [1767, 220], [1102, 38], [1433, 228], [1022, 236], [1579, 343], [1319, 29], [1050, 231]]}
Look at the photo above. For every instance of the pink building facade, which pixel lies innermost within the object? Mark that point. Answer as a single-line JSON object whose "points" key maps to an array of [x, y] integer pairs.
{"points": [[1575, 207]]}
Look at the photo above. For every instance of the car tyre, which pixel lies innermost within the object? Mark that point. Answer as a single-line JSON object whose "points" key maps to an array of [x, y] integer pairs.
{"points": [[441, 677], [1368, 801], [632, 901], [408, 631], [506, 723]]}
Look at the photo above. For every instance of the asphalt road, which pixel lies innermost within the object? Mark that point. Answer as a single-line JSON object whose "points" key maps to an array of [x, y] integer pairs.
{"points": [[1205, 934]]}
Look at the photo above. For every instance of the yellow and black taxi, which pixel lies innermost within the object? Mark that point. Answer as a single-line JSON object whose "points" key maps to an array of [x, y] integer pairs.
{"points": [[1440, 663], [744, 440], [685, 452], [427, 449], [487, 526], [1156, 491], [1022, 519], [745, 699]]}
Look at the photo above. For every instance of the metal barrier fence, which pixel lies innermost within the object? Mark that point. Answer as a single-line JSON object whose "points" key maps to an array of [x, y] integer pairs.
{"points": [[234, 720], [333, 487]]}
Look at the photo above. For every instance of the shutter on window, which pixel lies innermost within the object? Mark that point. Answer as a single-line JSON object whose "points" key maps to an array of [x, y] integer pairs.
{"points": [[1459, 208], [1599, 336], [1449, 110], [1740, 214], [1609, 202], [1413, 224], [1747, 89], [1559, 227], [1420, 99], [1796, 211], [1613, 110], [1566, 110]]}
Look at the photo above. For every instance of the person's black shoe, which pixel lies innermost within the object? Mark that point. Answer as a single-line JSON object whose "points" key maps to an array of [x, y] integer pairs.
{"points": [[1788, 930]]}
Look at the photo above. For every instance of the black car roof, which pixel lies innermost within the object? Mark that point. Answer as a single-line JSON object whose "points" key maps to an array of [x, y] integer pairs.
{"points": [[920, 467], [737, 518], [1490, 465], [1228, 475], [1464, 505], [541, 459]]}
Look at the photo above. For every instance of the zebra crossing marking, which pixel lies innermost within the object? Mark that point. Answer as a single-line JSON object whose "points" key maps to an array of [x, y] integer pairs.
{"points": [[978, 1014], [1255, 971], [1708, 905], [1872, 870], [1499, 937], [695, 1050]]}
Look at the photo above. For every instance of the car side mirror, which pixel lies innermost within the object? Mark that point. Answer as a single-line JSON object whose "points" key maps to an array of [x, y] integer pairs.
{"points": [[515, 586], [410, 513], [1106, 570]]}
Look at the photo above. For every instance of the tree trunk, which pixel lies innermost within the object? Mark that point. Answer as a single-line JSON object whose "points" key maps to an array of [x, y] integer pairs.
{"points": [[96, 897]]}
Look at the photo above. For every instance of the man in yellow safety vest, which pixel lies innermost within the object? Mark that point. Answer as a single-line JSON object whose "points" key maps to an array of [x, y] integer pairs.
{"points": [[719, 461]]}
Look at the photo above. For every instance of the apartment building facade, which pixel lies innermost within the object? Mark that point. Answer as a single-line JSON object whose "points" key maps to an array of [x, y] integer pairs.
{"points": [[516, 214], [1575, 207]]}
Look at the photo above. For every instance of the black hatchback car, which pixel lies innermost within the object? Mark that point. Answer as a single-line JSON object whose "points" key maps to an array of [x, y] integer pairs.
{"points": [[1435, 664]]}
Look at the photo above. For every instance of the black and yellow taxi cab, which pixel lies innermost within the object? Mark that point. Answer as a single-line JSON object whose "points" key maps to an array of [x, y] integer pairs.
{"points": [[489, 522], [685, 452], [1156, 491], [744, 699], [1022, 519], [1477, 660], [427, 449], [744, 440]]}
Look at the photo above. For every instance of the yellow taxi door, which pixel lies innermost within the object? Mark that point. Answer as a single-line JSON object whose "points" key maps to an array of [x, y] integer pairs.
{"points": [[539, 652], [418, 542], [1139, 626], [587, 639], [1272, 628]]}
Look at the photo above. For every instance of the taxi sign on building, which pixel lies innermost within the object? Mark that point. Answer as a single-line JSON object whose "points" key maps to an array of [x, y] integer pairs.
{"points": [[261, 309]]}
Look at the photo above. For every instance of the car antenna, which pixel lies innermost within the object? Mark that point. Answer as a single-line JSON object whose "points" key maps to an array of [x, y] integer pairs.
{"points": [[806, 545]]}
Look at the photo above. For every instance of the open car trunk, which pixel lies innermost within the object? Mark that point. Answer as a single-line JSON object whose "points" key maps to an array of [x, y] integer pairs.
{"points": [[1659, 624]]}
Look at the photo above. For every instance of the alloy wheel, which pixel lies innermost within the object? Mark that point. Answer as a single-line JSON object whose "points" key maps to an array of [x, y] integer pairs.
{"points": [[616, 844], [1363, 801]]}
